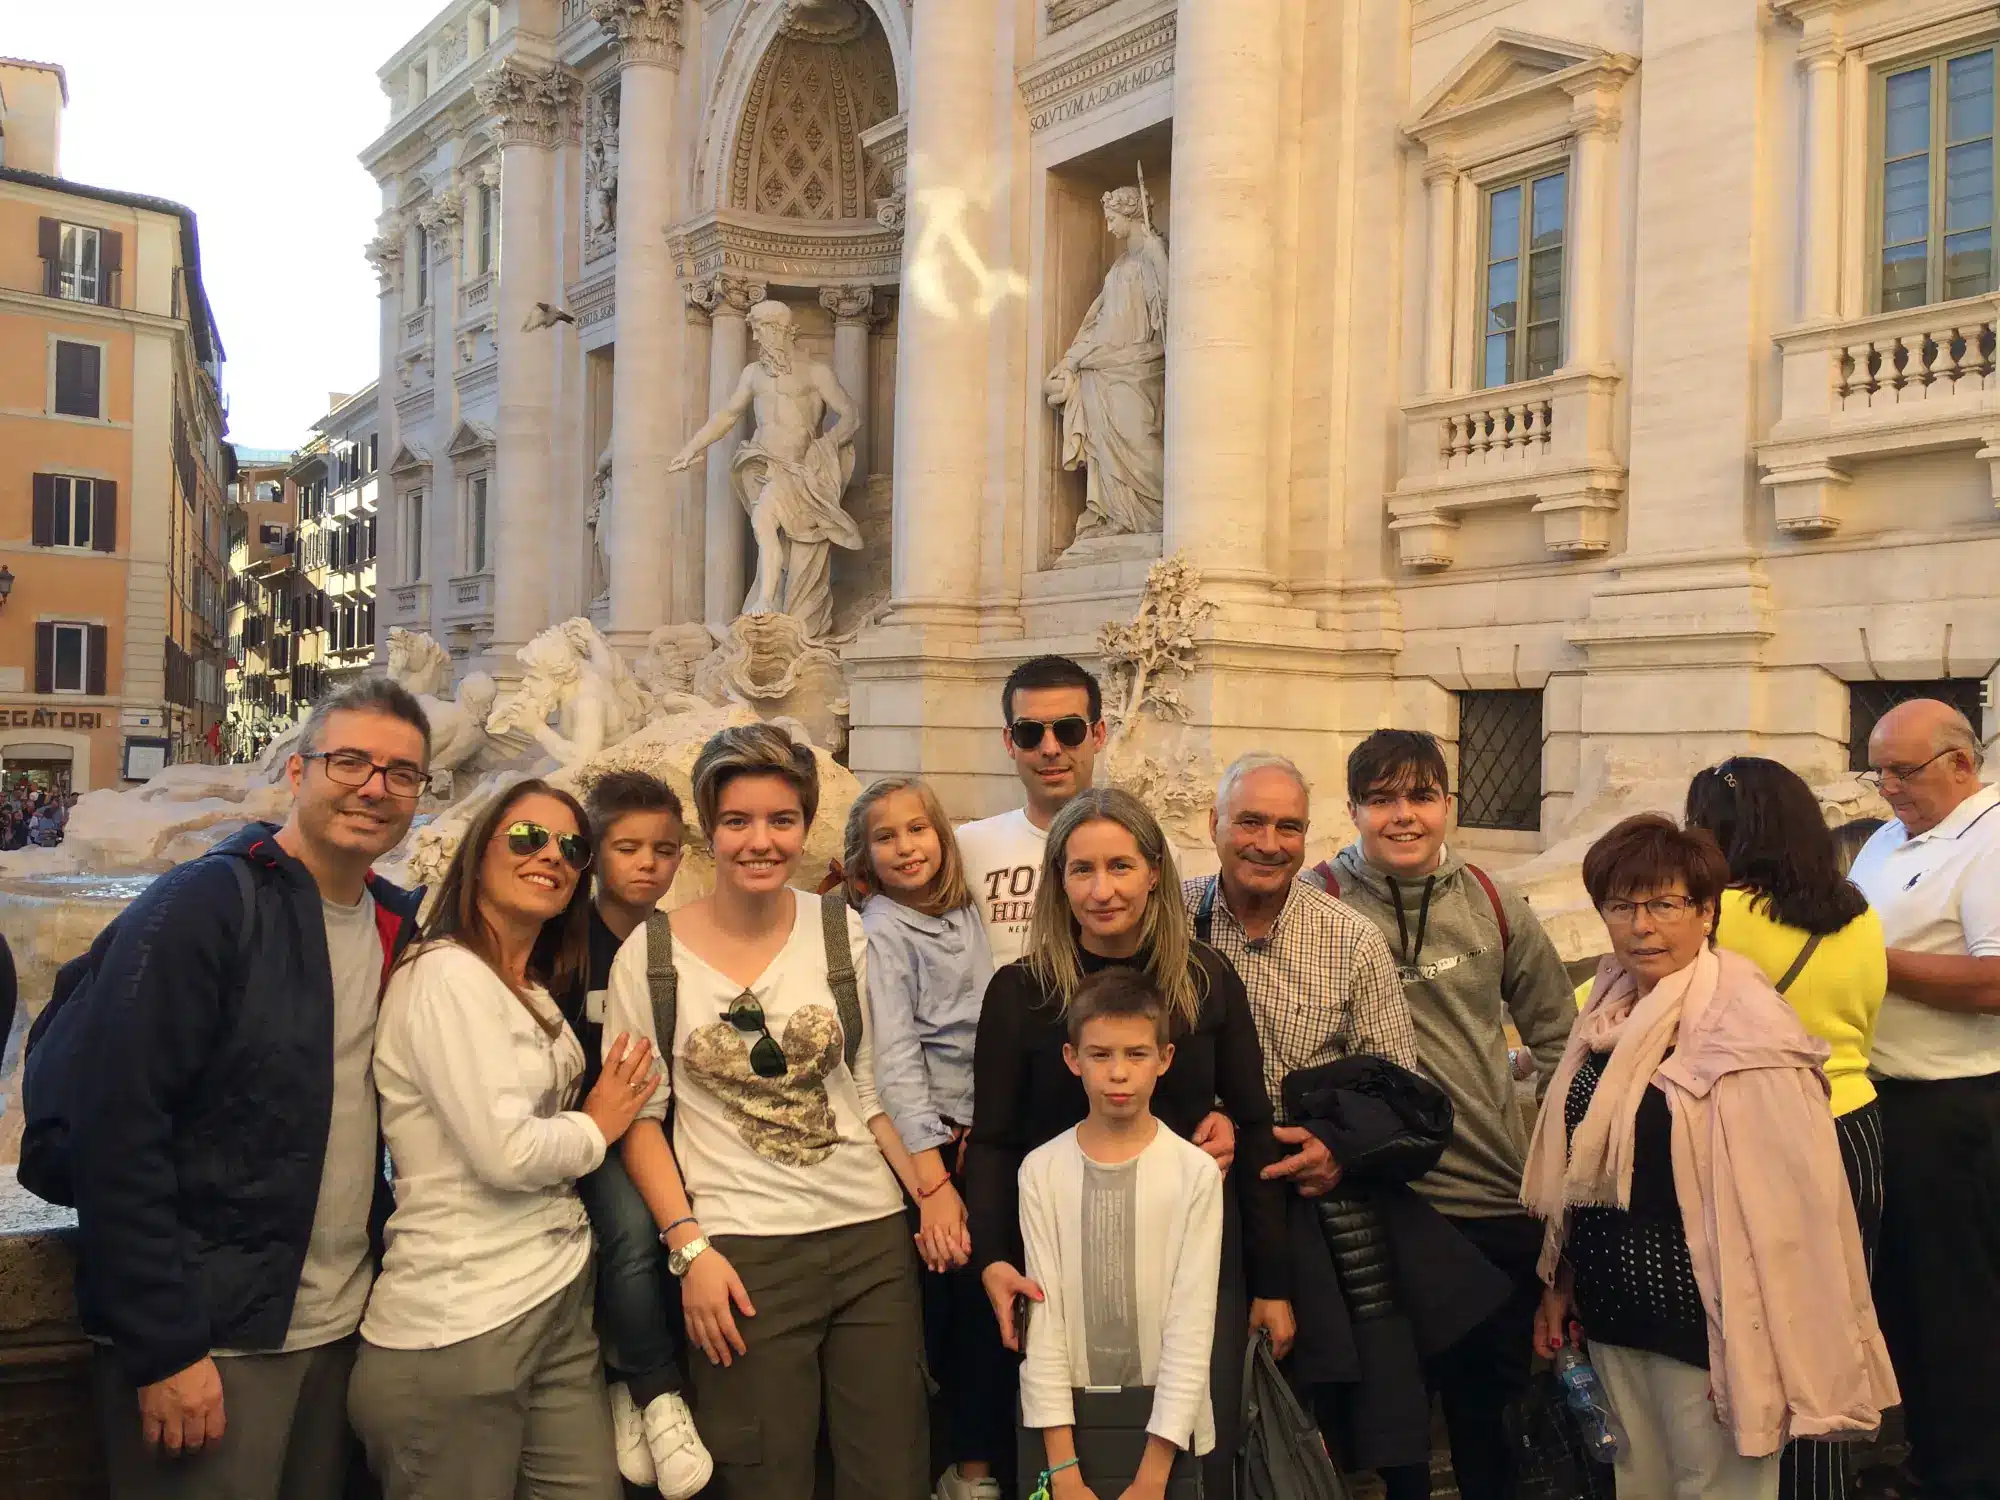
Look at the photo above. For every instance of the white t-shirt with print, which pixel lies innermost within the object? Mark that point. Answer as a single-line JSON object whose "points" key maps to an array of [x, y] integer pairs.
{"points": [[1003, 864], [764, 1156]]}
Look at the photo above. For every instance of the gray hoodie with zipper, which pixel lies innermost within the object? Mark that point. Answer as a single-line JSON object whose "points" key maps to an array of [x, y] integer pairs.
{"points": [[1463, 983]]}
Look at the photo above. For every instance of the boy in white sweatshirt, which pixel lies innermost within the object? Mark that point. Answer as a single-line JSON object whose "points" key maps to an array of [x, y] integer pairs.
{"points": [[1122, 1223]]}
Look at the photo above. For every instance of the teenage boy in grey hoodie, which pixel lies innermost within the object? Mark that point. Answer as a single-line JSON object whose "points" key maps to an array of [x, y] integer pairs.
{"points": [[1471, 955]]}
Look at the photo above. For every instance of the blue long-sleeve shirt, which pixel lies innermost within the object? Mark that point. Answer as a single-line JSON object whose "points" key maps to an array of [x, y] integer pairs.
{"points": [[926, 979]]}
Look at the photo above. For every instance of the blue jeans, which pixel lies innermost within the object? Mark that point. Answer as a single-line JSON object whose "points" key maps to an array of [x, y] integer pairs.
{"points": [[638, 1301]]}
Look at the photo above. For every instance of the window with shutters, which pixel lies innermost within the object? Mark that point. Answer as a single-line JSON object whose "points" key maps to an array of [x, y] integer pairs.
{"points": [[70, 521], [69, 658], [77, 265], [79, 379]]}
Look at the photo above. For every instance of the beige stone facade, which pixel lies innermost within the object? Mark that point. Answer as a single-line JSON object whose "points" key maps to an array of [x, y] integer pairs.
{"points": [[1529, 376]]}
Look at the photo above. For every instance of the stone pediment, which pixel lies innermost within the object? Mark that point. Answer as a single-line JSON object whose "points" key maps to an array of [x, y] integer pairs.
{"points": [[1510, 67], [470, 437], [409, 458]]}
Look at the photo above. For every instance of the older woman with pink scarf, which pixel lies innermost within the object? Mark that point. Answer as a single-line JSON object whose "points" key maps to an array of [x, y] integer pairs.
{"points": [[1699, 1223]]}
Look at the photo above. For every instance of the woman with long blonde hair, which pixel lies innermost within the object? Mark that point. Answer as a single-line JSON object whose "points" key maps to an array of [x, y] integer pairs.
{"points": [[1109, 896]]}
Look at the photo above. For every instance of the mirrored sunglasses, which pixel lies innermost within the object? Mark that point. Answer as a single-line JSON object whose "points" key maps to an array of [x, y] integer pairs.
{"points": [[526, 838]]}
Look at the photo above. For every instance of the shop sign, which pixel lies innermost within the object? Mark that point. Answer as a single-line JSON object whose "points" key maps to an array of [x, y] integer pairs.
{"points": [[51, 718]]}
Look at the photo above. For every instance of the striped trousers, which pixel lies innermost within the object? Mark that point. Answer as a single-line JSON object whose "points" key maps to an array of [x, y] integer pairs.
{"points": [[1814, 1469]]}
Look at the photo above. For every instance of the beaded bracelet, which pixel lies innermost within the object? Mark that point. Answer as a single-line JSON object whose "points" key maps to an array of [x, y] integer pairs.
{"points": [[934, 1189]]}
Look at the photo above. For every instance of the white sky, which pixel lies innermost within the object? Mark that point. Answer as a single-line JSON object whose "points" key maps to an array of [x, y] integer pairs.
{"points": [[252, 113]]}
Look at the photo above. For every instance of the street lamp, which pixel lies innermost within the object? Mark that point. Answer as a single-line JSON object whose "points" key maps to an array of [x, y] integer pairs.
{"points": [[6, 583]]}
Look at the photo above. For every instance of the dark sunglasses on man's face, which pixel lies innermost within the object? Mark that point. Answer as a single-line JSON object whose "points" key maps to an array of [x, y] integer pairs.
{"points": [[525, 838], [1070, 731], [767, 1058]]}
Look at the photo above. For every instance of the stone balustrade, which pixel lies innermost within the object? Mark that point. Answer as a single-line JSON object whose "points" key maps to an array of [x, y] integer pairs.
{"points": [[1916, 381], [469, 599], [475, 295], [407, 604], [1549, 444], [415, 326]]}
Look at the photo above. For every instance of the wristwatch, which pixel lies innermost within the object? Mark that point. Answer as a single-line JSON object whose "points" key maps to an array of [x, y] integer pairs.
{"points": [[679, 1260]]}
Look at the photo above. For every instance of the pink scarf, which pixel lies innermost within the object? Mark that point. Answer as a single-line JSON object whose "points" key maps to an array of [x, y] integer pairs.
{"points": [[1593, 1167]]}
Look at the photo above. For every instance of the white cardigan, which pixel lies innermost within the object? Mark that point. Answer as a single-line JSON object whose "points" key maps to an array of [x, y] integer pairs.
{"points": [[1178, 1224]]}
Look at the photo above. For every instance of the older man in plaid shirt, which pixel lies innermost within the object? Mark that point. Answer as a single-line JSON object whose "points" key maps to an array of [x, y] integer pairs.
{"points": [[1321, 980]]}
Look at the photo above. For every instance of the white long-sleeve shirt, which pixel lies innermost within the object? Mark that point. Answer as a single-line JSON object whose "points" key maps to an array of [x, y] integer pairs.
{"points": [[476, 1115], [764, 1156], [1176, 1262]]}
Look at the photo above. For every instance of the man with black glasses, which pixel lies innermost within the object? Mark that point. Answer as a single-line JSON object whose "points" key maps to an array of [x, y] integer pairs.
{"points": [[1933, 876], [225, 1151], [1055, 727]]}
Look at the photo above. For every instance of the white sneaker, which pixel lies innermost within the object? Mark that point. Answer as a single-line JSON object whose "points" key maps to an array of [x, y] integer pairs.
{"points": [[954, 1486], [635, 1458], [680, 1462]]}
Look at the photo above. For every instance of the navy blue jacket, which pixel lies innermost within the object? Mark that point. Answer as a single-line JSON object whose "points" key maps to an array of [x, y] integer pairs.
{"points": [[201, 1126]]}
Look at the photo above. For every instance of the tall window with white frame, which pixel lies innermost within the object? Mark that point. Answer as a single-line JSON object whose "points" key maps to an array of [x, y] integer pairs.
{"points": [[77, 269], [70, 658], [1937, 181], [416, 532], [485, 251], [475, 524], [75, 500], [1521, 292]]}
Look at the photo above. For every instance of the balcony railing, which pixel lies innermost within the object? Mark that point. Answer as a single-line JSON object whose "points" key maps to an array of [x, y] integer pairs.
{"points": [[469, 597], [1549, 444], [475, 294], [1922, 380], [407, 603], [416, 325]]}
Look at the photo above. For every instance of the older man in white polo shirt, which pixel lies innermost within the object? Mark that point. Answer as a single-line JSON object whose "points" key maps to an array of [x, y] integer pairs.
{"points": [[1934, 876]]}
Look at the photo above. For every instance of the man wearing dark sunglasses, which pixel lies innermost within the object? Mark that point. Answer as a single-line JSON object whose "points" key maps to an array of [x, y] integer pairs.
{"points": [[1054, 716], [226, 1156]]}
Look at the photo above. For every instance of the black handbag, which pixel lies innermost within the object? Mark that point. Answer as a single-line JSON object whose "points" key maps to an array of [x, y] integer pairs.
{"points": [[1110, 1434]]}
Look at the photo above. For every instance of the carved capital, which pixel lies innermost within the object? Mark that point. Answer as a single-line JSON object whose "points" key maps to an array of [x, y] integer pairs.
{"points": [[848, 304], [647, 33], [700, 297], [730, 293], [385, 254], [531, 102], [442, 216]]}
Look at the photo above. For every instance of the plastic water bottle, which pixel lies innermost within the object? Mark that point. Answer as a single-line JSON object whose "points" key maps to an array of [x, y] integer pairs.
{"points": [[1584, 1394]]}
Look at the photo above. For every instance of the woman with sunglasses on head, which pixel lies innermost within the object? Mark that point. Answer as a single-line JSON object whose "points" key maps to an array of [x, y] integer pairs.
{"points": [[1109, 896], [778, 1200], [1790, 909], [1698, 1221], [479, 1377]]}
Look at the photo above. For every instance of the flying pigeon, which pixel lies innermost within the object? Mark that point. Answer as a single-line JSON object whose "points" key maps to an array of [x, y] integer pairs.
{"points": [[545, 316]]}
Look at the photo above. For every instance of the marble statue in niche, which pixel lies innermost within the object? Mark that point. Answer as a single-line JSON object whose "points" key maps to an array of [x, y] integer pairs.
{"points": [[790, 475], [600, 149], [597, 519], [1111, 385]]}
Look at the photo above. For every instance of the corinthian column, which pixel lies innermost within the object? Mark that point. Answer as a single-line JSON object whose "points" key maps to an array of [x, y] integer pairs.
{"points": [[647, 34], [1227, 84], [851, 307], [385, 254], [729, 299], [530, 100], [949, 288]]}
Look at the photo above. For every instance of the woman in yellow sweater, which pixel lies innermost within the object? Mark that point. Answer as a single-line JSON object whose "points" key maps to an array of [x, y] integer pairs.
{"points": [[1791, 911]]}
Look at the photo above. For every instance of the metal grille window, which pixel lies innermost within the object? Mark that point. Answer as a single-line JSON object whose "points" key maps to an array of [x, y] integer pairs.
{"points": [[1500, 760], [1868, 701]]}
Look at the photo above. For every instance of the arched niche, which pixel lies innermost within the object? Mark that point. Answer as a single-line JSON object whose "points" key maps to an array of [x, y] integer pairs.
{"points": [[779, 74]]}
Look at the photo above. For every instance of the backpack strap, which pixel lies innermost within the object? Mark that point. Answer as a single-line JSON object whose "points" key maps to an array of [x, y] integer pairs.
{"points": [[246, 887], [1329, 881], [662, 983], [1799, 963], [1499, 912], [840, 971], [1204, 914]]}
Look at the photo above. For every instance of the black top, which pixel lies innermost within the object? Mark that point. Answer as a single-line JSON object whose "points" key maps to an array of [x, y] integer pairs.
{"points": [[1024, 1096], [1635, 1283], [576, 1007]]}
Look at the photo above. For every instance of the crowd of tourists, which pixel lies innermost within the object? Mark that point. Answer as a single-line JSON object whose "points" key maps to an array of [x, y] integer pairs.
{"points": [[34, 815], [1016, 1138]]}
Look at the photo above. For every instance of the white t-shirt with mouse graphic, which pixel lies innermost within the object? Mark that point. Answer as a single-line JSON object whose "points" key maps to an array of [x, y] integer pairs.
{"points": [[764, 1156]]}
